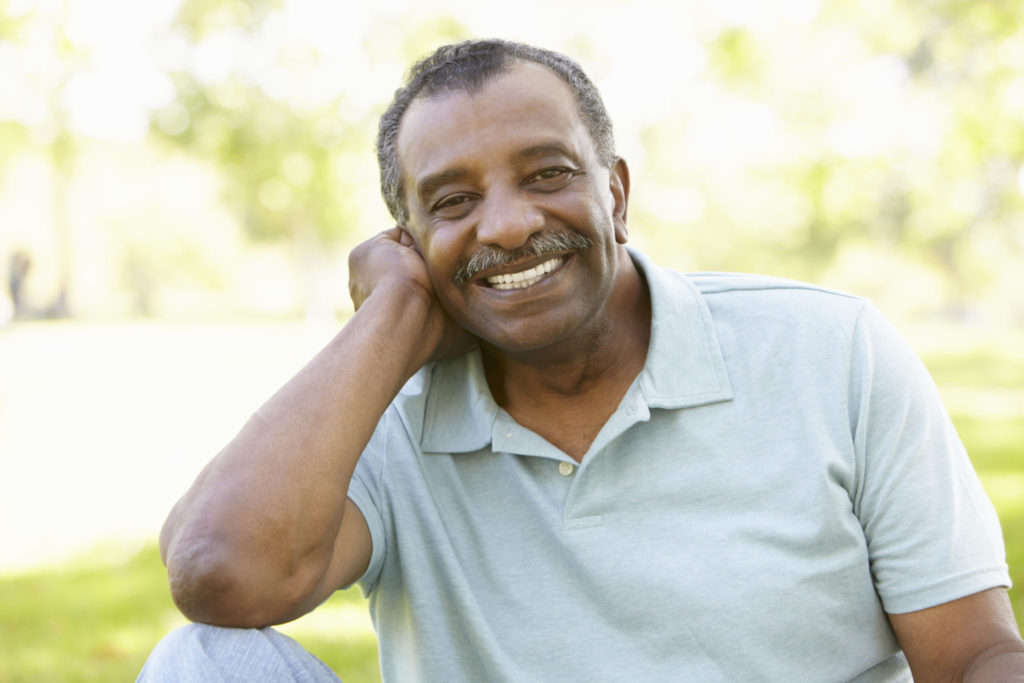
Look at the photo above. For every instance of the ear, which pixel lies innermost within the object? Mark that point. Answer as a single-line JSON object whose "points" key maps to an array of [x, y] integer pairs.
{"points": [[618, 182]]}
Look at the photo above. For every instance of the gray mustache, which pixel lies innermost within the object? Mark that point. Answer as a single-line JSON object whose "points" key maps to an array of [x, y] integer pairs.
{"points": [[496, 257]]}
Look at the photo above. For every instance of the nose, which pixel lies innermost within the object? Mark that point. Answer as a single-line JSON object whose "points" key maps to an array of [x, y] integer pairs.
{"points": [[508, 219]]}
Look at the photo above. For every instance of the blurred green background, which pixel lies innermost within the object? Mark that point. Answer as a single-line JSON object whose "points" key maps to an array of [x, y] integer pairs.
{"points": [[181, 181]]}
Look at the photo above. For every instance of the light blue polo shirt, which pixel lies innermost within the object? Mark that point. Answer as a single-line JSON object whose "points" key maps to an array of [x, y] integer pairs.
{"points": [[780, 474]]}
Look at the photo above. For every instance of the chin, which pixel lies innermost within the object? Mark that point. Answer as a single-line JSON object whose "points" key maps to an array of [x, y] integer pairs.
{"points": [[529, 337]]}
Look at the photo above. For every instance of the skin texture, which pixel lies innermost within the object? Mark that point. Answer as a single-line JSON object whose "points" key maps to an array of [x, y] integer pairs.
{"points": [[971, 639], [266, 531], [490, 171], [493, 169]]}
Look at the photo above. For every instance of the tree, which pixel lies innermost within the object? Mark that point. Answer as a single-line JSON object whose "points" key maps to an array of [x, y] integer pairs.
{"points": [[49, 71], [288, 122], [810, 140]]}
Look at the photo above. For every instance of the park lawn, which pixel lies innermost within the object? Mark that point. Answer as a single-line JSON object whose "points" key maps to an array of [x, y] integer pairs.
{"points": [[97, 617], [94, 619]]}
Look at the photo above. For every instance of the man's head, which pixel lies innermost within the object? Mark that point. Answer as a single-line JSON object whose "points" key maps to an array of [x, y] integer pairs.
{"points": [[467, 67], [519, 221]]}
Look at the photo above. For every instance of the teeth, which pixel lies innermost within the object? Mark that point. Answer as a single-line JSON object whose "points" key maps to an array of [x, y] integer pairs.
{"points": [[524, 278]]}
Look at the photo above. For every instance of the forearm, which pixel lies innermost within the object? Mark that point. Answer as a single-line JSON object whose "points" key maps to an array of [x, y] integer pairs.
{"points": [[256, 531]]}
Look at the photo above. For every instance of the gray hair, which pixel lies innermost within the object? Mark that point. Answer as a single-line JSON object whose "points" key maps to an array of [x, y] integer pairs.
{"points": [[467, 66]]}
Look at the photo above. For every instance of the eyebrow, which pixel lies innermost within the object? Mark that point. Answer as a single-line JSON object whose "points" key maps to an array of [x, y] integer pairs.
{"points": [[547, 149], [431, 183]]}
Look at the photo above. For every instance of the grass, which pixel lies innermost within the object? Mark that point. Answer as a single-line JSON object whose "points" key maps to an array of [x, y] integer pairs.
{"points": [[96, 619], [97, 616]]}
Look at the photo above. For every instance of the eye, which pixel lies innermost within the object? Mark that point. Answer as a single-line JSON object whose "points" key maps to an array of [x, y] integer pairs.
{"points": [[551, 179], [452, 205], [451, 201]]}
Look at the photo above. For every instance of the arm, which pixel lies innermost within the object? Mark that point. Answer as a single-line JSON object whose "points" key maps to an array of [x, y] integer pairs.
{"points": [[266, 532], [971, 639]]}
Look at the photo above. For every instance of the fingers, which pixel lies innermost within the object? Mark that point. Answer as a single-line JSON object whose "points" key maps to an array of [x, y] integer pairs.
{"points": [[401, 235], [394, 233], [380, 260], [405, 238]]}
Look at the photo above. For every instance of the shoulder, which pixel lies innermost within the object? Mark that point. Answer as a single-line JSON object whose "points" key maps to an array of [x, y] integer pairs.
{"points": [[760, 299], [739, 289], [751, 313], [749, 299], [740, 285]]}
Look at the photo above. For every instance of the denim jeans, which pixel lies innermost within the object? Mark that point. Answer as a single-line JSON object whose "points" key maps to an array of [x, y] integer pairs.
{"points": [[201, 653]]}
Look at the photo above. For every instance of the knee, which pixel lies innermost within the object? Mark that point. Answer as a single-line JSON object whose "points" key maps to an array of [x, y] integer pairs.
{"points": [[203, 653], [209, 638], [199, 652]]}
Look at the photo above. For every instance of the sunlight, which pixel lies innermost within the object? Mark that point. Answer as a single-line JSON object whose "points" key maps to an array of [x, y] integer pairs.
{"points": [[197, 182]]}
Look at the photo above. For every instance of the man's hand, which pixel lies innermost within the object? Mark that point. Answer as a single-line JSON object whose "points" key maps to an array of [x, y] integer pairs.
{"points": [[389, 264]]}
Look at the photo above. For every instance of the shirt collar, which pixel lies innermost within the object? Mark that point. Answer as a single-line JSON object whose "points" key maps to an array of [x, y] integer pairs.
{"points": [[684, 368]]}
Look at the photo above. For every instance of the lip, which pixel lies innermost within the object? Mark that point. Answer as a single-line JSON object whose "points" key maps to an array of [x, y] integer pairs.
{"points": [[521, 295], [523, 265]]}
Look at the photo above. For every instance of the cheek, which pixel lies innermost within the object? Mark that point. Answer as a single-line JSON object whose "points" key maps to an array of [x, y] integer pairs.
{"points": [[442, 259], [593, 204]]}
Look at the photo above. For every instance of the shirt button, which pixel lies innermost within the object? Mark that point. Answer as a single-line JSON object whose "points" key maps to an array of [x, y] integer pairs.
{"points": [[566, 468]]}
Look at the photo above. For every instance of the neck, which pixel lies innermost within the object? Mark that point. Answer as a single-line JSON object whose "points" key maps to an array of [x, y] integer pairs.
{"points": [[577, 384]]}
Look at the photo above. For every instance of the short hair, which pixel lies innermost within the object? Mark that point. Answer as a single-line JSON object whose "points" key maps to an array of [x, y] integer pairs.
{"points": [[468, 66]]}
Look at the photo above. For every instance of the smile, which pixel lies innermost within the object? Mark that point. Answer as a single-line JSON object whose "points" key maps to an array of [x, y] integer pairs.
{"points": [[526, 277]]}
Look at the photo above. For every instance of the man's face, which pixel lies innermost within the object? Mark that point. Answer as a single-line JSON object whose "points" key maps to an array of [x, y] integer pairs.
{"points": [[490, 173]]}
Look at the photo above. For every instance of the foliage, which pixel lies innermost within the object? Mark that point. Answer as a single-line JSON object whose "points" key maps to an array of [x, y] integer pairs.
{"points": [[289, 119], [271, 111], [874, 146], [12, 139], [895, 128]]}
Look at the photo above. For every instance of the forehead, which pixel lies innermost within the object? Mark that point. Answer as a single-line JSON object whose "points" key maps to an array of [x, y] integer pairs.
{"points": [[526, 106]]}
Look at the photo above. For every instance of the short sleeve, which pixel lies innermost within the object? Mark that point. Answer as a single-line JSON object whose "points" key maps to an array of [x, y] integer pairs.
{"points": [[932, 533], [365, 491]]}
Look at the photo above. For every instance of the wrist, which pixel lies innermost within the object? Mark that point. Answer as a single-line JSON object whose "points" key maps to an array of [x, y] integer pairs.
{"points": [[407, 323]]}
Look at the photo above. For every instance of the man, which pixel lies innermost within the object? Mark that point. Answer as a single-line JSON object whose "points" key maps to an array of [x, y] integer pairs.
{"points": [[597, 469]]}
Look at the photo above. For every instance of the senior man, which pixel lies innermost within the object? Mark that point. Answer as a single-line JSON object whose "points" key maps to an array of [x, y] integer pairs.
{"points": [[545, 458]]}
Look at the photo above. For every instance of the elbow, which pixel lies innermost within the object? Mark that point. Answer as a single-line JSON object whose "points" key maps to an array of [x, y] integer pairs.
{"points": [[205, 588], [212, 586], [209, 588]]}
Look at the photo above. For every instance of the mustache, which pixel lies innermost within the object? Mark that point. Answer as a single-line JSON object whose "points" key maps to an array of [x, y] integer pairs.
{"points": [[538, 245]]}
